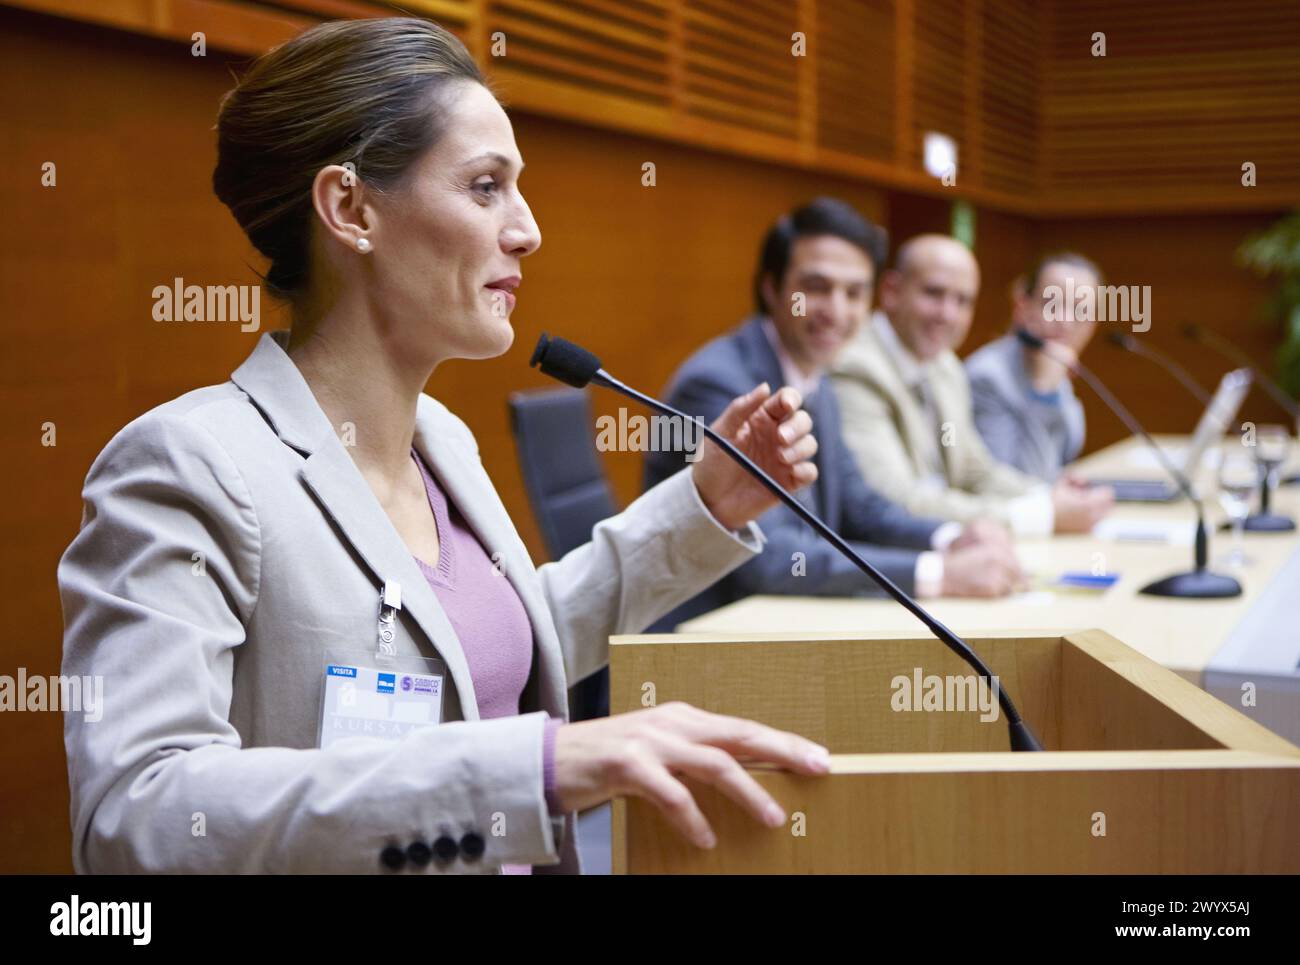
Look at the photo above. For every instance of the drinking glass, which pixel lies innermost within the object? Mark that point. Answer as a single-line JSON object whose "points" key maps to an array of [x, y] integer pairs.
{"points": [[1238, 477]]}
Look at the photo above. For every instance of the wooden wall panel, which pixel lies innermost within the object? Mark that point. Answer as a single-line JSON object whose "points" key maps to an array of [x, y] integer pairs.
{"points": [[1004, 245]]}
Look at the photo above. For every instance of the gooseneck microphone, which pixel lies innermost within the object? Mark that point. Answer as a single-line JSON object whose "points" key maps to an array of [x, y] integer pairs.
{"points": [[1262, 521], [1235, 355], [1129, 344], [1200, 583], [575, 366]]}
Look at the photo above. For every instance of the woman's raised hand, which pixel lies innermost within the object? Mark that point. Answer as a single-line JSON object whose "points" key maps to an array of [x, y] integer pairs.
{"points": [[776, 434]]}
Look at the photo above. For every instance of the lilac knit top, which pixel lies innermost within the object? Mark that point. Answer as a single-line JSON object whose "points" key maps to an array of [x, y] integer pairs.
{"points": [[488, 617]]}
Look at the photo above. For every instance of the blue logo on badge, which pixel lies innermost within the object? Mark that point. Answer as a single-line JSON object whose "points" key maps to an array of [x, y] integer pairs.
{"points": [[387, 683], [336, 671]]}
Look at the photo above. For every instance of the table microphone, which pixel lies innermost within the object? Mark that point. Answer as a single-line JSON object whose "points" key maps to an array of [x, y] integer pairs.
{"points": [[1263, 521], [1235, 355], [575, 366], [1200, 583], [1130, 344], [1229, 351]]}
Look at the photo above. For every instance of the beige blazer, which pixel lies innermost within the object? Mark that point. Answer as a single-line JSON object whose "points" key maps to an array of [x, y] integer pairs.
{"points": [[886, 428], [228, 539]]}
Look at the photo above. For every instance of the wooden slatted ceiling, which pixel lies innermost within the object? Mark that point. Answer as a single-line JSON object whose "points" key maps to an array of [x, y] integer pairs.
{"points": [[1007, 100], [737, 64], [617, 49], [355, 9], [855, 64], [458, 16], [938, 73], [1187, 92]]}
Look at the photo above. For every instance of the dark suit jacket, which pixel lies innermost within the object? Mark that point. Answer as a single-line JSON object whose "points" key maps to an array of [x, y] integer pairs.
{"points": [[732, 365]]}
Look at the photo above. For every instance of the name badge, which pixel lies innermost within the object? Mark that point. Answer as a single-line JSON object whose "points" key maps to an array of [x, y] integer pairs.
{"points": [[378, 702]]}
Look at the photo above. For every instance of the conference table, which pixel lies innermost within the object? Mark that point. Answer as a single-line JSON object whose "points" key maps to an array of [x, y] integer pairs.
{"points": [[1244, 650]]}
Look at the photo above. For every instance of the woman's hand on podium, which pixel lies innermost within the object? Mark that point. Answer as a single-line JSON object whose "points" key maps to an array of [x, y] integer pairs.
{"points": [[642, 753]]}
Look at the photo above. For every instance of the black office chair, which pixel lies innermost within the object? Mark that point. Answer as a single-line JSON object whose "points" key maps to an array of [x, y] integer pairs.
{"points": [[568, 492]]}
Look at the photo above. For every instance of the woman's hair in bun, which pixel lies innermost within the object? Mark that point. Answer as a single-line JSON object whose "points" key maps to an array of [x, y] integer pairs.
{"points": [[369, 92]]}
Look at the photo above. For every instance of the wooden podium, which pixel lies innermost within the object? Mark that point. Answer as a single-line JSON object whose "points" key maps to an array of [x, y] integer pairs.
{"points": [[1143, 772]]}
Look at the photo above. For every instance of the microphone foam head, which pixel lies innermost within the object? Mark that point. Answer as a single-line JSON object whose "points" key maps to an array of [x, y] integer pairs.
{"points": [[1122, 339], [1029, 338], [561, 359]]}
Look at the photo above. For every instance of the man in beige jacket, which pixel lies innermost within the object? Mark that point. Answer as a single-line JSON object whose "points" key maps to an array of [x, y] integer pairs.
{"points": [[907, 409]]}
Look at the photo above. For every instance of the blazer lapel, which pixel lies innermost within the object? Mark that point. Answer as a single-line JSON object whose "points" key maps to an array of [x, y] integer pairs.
{"points": [[276, 386], [764, 365], [919, 438]]}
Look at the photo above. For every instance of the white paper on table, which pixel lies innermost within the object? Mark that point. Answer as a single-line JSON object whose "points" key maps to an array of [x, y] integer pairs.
{"points": [[1145, 458], [1142, 457], [1035, 598], [1146, 531]]}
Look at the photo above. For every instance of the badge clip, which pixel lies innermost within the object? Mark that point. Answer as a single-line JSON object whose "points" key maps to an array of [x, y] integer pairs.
{"points": [[390, 601]]}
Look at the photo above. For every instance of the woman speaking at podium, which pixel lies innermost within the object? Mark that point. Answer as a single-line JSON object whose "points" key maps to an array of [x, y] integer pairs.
{"points": [[323, 644]]}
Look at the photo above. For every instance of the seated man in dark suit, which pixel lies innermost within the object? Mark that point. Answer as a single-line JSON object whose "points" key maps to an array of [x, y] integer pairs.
{"points": [[813, 290]]}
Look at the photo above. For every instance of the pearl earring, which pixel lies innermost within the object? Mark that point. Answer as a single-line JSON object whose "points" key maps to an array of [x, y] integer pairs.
{"points": [[363, 245]]}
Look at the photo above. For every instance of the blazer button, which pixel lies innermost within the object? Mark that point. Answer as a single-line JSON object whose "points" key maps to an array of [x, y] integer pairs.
{"points": [[419, 853], [393, 858], [472, 846], [446, 849]]}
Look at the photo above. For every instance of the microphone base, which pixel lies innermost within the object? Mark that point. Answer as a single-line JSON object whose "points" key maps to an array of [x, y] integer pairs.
{"points": [[1269, 523], [1263, 523], [1196, 585]]}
